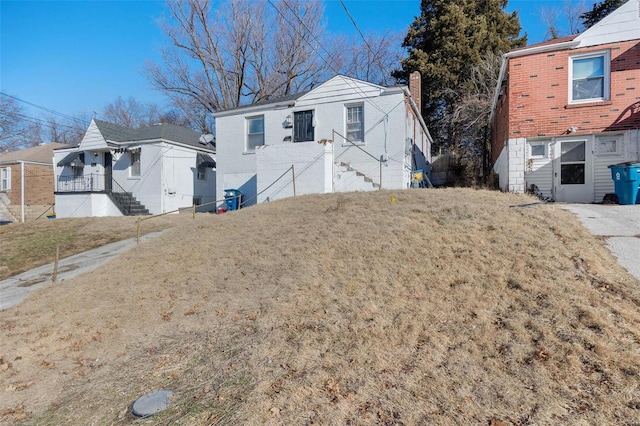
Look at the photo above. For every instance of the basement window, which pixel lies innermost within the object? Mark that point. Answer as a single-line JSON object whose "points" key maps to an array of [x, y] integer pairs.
{"points": [[537, 149], [607, 146]]}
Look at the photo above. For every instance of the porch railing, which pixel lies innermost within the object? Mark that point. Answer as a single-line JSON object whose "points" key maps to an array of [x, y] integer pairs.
{"points": [[94, 182]]}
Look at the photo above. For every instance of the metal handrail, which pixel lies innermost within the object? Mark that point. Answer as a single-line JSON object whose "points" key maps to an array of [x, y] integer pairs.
{"points": [[93, 182]]}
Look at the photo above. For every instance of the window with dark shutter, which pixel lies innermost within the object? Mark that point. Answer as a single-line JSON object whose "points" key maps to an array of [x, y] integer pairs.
{"points": [[303, 126]]}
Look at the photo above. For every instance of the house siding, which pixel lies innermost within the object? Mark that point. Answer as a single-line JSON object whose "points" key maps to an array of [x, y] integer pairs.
{"points": [[387, 133], [534, 102], [167, 179]]}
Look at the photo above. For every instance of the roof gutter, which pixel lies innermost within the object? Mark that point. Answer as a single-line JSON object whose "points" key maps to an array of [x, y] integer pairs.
{"points": [[524, 52], [415, 110]]}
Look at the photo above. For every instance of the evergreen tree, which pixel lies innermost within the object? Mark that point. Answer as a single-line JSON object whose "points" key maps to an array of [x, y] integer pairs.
{"points": [[599, 11], [445, 43]]}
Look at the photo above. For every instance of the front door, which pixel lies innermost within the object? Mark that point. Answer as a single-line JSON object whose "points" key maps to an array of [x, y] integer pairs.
{"points": [[573, 170], [108, 171]]}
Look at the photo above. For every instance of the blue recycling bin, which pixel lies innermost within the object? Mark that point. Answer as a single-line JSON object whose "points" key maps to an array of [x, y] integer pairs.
{"points": [[233, 199], [626, 178]]}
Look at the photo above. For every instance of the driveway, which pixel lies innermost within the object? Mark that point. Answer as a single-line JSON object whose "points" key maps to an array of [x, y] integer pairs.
{"points": [[13, 290], [621, 226]]}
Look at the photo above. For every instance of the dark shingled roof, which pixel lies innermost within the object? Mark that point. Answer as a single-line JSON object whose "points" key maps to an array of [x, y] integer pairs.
{"points": [[287, 98], [165, 131]]}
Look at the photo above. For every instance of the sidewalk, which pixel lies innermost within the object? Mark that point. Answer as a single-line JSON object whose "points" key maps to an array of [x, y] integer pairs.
{"points": [[621, 226], [15, 289]]}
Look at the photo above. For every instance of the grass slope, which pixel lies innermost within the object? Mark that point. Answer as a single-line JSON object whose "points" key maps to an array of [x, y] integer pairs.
{"points": [[443, 307]]}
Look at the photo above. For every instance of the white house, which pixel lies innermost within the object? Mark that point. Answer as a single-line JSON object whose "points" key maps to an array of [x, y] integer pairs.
{"points": [[344, 135], [119, 171]]}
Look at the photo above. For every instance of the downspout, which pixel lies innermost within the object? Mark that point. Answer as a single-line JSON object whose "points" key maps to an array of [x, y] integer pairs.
{"points": [[414, 108], [22, 191]]}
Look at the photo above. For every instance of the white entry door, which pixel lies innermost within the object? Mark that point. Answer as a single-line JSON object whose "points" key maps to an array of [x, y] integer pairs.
{"points": [[573, 170]]}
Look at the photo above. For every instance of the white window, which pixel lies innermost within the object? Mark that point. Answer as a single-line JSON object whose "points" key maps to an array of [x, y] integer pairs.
{"points": [[255, 133], [608, 146], [5, 179], [355, 123], [134, 170], [537, 149], [589, 75], [202, 173]]}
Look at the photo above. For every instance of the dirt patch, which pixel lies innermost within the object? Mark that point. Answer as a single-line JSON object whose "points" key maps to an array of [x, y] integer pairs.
{"points": [[31, 283], [439, 307]]}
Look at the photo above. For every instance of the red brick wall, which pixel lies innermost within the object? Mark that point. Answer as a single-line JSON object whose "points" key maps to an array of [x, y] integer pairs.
{"points": [[539, 90], [501, 124]]}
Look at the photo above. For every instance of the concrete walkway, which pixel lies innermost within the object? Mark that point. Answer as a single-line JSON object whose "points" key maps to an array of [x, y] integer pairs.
{"points": [[15, 289], [621, 226]]}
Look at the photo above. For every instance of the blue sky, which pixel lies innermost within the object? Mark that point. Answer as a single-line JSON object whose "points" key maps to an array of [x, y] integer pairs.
{"points": [[76, 56]]}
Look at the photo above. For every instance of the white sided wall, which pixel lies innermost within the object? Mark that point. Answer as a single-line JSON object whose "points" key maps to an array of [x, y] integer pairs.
{"points": [[517, 171], [85, 205], [385, 130], [312, 164], [179, 183]]}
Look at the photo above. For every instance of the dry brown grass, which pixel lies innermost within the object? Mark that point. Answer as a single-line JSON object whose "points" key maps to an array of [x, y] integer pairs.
{"points": [[25, 246], [443, 307]]}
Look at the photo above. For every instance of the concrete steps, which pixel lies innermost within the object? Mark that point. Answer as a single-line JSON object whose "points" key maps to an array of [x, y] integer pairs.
{"points": [[347, 178], [128, 204]]}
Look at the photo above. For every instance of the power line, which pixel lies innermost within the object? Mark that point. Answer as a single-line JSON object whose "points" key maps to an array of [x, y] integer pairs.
{"points": [[50, 111], [326, 51]]}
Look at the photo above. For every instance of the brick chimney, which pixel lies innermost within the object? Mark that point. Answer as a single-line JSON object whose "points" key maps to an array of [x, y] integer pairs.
{"points": [[415, 88]]}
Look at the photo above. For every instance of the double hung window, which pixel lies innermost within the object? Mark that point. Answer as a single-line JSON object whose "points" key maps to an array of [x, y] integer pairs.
{"points": [[255, 133], [355, 123], [589, 78], [134, 170], [5, 179]]}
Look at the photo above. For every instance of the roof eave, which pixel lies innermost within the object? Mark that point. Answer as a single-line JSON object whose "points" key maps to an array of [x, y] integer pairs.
{"points": [[525, 52]]}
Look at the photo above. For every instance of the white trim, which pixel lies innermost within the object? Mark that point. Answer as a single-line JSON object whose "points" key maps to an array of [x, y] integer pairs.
{"points": [[6, 178], [618, 138], [346, 122], [246, 150], [540, 142], [606, 59]]}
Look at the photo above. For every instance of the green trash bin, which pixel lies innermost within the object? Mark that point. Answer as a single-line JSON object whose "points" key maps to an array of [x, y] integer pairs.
{"points": [[626, 178]]}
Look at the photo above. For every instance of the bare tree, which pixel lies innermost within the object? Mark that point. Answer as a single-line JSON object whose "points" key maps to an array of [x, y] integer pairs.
{"points": [[562, 21], [470, 115], [131, 113], [371, 59], [239, 52], [13, 131]]}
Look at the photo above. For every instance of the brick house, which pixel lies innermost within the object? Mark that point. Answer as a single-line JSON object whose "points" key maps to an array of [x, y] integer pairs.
{"points": [[27, 173], [564, 110]]}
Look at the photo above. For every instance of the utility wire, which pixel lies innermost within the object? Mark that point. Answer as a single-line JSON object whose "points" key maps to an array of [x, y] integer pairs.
{"points": [[326, 51], [50, 111], [375, 57]]}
